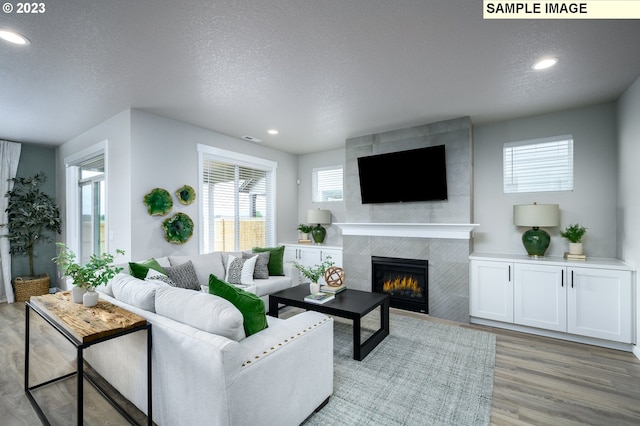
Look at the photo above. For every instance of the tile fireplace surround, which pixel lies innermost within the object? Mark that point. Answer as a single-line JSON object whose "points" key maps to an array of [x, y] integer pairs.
{"points": [[439, 231], [445, 246]]}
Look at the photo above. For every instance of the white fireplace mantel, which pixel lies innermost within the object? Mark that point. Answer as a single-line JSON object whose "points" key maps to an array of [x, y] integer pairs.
{"points": [[458, 231]]}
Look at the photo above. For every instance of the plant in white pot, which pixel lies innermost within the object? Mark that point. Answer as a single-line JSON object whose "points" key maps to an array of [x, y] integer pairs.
{"points": [[314, 273], [97, 271], [304, 231], [574, 234]]}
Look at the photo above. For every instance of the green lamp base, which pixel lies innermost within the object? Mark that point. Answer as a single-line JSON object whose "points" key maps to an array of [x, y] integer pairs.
{"points": [[318, 234], [536, 241]]}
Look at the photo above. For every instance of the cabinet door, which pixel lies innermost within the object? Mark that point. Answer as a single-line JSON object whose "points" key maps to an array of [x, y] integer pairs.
{"points": [[540, 296], [491, 290], [309, 256], [599, 303], [336, 256], [290, 254]]}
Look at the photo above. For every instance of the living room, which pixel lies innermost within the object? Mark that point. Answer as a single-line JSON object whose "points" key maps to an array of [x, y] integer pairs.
{"points": [[148, 150]]}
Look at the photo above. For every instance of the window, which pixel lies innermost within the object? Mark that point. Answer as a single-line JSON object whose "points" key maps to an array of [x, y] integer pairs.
{"points": [[86, 202], [237, 201], [539, 165], [327, 184]]}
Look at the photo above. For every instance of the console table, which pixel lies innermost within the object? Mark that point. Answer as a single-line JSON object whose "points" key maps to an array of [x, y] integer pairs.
{"points": [[84, 327]]}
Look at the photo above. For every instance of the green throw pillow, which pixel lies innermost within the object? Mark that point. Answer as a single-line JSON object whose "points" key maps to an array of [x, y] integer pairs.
{"points": [[139, 270], [250, 306], [276, 259]]}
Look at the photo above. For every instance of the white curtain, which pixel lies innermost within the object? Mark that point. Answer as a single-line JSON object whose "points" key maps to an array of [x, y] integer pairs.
{"points": [[9, 157]]}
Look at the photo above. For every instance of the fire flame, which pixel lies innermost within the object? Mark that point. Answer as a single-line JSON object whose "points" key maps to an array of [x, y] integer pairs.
{"points": [[402, 284]]}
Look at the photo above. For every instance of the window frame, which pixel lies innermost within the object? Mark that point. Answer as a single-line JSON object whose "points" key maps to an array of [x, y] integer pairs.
{"points": [[206, 152], [563, 173], [73, 197], [315, 191]]}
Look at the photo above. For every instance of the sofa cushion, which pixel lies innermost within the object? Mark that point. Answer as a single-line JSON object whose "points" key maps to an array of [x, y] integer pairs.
{"points": [[134, 291], [140, 269], [204, 264], [240, 271], [261, 271], [203, 311], [184, 276], [276, 259], [250, 305]]}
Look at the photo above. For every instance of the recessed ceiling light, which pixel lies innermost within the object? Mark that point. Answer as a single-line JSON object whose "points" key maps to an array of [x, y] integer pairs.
{"points": [[545, 63], [273, 131], [13, 37]]}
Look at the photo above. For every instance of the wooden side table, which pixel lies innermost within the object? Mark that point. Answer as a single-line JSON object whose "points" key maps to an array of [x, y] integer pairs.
{"points": [[84, 327]]}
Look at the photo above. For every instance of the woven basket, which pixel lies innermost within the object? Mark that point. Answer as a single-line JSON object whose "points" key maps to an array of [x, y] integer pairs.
{"points": [[26, 287]]}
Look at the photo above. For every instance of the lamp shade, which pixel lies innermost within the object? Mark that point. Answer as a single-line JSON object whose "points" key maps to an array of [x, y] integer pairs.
{"points": [[318, 216], [536, 215]]}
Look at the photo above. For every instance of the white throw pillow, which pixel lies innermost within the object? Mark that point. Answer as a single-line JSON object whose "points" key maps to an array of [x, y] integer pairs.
{"points": [[240, 271], [158, 278], [205, 312]]}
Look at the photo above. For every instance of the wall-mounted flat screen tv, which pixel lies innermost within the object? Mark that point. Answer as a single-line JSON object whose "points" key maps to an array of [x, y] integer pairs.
{"points": [[404, 176]]}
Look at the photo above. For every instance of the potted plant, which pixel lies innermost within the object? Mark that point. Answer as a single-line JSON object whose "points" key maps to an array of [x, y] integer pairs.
{"points": [[304, 231], [33, 217], [313, 273], [97, 271], [574, 234]]}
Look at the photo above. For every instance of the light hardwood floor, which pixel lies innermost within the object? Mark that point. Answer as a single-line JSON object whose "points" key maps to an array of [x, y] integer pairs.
{"points": [[537, 380]]}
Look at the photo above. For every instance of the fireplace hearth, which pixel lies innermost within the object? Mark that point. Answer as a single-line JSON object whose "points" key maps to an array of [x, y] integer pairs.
{"points": [[406, 281]]}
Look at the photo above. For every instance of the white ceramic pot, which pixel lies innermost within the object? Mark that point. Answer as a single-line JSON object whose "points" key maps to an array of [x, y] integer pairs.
{"points": [[314, 287], [77, 293], [575, 248], [90, 299]]}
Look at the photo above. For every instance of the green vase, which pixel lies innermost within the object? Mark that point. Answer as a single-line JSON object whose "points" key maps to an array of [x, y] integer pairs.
{"points": [[536, 241], [318, 234]]}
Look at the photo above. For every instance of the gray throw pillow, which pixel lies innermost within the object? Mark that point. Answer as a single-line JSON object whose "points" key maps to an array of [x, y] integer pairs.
{"points": [[183, 276], [261, 271]]}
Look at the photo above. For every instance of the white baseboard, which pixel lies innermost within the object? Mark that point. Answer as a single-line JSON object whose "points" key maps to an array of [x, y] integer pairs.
{"points": [[636, 351]]}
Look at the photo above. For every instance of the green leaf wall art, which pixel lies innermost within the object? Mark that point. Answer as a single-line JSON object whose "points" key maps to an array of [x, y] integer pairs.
{"points": [[158, 202], [178, 228]]}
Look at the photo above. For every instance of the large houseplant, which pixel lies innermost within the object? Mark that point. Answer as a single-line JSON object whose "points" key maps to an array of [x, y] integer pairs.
{"points": [[33, 218], [97, 271]]}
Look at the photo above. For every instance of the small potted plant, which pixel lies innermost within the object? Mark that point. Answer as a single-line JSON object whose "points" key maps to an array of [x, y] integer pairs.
{"points": [[97, 271], [304, 231], [574, 234], [314, 273]]}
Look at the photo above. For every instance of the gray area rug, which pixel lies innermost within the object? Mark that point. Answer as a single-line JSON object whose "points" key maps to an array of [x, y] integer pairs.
{"points": [[423, 373]]}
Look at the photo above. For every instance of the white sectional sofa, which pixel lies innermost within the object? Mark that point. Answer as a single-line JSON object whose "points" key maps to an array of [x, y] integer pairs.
{"points": [[205, 369]]}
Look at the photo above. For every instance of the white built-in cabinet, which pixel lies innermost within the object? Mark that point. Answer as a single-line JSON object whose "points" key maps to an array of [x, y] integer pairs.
{"points": [[309, 255], [592, 299]]}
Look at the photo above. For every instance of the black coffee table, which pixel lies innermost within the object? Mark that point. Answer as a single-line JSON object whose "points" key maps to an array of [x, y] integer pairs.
{"points": [[351, 304]]}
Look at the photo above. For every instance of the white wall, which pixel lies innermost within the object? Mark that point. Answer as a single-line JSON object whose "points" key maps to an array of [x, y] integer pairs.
{"points": [[117, 131], [592, 203], [628, 179], [306, 164], [149, 151]]}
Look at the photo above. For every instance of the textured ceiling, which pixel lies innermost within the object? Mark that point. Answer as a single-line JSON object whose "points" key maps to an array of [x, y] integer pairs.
{"points": [[319, 71]]}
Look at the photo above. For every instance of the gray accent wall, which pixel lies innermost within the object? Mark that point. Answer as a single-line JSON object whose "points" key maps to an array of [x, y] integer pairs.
{"points": [[448, 258]]}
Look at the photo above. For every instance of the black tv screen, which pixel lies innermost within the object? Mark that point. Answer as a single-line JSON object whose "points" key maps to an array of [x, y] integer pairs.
{"points": [[404, 176]]}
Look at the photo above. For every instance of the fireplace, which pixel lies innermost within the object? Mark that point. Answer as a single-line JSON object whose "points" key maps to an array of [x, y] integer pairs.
{"points": [[406, 281]]}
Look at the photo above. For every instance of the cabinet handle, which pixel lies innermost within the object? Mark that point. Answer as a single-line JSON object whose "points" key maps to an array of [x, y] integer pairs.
{"points": [[562, 278], [509, 273], [571, 279]]}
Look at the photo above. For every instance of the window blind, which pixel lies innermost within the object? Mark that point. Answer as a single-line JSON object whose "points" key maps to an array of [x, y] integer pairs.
{"points": [[539, 165], [327, 183]]}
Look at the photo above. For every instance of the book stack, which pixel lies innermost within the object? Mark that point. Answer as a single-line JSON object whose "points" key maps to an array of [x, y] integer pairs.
{"points": [[569, 256], [304, 241], [331, 289], [319, 298]]}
